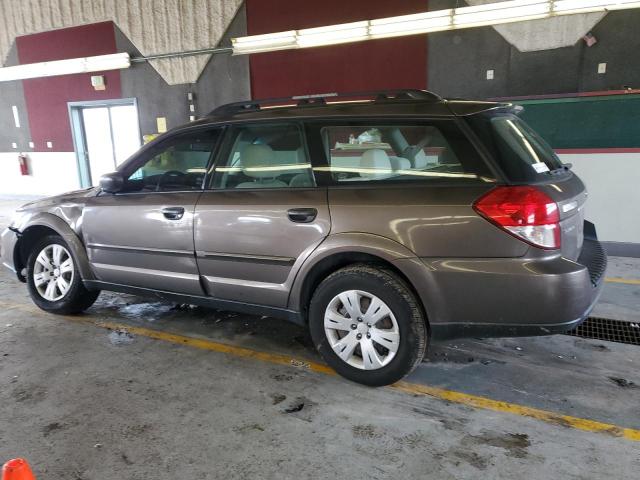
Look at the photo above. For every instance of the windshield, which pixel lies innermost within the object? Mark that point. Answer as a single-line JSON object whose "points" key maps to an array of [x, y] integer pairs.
{"points": [[520, 151]]}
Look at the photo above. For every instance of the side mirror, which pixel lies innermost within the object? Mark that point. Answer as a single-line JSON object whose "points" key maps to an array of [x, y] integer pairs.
{"points": [[112, 182]]}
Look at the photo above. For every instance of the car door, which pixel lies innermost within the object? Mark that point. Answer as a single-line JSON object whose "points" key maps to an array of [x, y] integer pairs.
{"points": [[261, 215], [143, 235]]}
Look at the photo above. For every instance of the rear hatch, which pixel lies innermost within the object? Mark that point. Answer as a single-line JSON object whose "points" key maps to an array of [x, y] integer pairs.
{"points": [[526, 159]]}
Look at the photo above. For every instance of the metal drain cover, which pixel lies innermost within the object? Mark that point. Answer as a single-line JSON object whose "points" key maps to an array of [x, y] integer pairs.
{"points": [[609, 330]]}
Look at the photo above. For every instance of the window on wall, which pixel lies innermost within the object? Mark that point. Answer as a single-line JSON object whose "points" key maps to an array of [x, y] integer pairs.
{"points": [[364, 153], [177, 165], [264, 156]]}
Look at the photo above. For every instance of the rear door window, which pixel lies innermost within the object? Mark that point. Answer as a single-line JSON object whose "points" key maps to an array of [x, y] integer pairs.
{"points": [[521, 152], [264, 156], [379, 152]]}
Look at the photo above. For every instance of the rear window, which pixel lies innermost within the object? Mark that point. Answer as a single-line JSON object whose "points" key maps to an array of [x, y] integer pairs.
{"points": [[521, 152], [384, 153]]}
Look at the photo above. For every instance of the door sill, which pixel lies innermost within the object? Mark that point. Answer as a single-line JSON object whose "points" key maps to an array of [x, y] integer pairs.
{"points": [[230, 305]]}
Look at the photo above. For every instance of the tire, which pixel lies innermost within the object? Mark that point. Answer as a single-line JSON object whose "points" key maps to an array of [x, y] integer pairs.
{"points": [[75, 298], [403, 328]]}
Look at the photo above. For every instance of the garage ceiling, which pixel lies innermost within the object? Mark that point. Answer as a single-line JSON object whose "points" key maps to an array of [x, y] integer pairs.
{"points": [[154, 27], [545, 34]]}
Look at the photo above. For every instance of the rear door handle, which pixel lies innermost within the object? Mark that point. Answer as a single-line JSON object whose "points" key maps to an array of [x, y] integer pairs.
{"points": [[302, 215], [173, 213]]}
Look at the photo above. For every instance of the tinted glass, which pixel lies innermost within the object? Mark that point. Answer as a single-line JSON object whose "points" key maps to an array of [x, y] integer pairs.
{"points": [[520, 151], [178, 164], [364, 153], [264, 156]]}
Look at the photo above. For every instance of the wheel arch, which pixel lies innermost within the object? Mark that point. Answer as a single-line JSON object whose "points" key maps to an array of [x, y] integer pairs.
{"points": [[341, 250], [48, 224]]}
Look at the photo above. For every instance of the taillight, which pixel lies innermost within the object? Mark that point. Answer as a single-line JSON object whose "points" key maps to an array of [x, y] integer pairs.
{"points": [[523, 211]]}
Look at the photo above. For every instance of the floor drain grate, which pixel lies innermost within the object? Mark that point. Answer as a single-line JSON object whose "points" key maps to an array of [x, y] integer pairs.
{"points": [[609, 330]]}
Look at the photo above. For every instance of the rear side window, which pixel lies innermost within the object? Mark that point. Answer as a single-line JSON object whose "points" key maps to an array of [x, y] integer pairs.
{"points": [[521, 152], [264, 156], [389, 153]]}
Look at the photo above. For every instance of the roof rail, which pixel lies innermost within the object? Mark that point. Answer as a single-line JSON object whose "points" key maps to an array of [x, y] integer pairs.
{"points": [[321, 99]]}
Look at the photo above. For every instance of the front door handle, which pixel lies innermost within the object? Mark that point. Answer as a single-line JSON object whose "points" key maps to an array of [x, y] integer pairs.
{"points": [[302, 215], [173, 213]]}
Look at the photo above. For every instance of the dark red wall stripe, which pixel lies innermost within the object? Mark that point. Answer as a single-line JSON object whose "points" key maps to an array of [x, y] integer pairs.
{"points": [[47, 98], [377, 64]]}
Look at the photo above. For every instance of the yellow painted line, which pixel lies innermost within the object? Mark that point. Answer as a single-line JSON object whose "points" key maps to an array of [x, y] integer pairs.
{"points": [[627, 281], [402, 386], [523, 411], [202, 344], [182, 340]]}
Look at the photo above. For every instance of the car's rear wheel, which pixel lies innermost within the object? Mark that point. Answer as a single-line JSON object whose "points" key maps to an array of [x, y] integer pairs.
{"points": [[367, 325], [53, 278]]}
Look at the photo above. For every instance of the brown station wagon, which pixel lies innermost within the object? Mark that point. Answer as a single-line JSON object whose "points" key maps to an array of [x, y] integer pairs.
{"points": [[378, 220]]}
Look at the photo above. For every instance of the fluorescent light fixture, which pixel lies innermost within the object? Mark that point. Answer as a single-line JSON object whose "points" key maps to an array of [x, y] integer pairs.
{"points": [[436, 21], [502, 12], [334, 34], [264, 43], [495, 13], [567, 7], [65, 67]]}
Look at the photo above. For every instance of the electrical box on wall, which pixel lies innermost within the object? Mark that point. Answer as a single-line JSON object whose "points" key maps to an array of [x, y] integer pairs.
{"points": [[192, 106], [97, 82], [161, 123]]}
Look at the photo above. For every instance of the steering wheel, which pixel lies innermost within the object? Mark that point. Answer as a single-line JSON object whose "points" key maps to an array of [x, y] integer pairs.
{"points": [[171, 177]]}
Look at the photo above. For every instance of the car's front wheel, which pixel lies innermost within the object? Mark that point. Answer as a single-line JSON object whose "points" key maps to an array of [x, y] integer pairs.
{"points": [[367, 325], [53, 278]]}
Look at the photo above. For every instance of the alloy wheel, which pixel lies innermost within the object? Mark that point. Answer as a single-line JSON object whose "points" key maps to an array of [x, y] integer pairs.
{"points": [[361, 329]]}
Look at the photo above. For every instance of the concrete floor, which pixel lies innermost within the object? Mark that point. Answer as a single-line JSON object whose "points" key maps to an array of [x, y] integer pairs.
{"points": [[82, 402], [621, 301]]}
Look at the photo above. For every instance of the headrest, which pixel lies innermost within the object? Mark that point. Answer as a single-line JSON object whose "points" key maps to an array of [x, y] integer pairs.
{"points": [[301, 157], [255, 156], [376, 159], [400, 163]]}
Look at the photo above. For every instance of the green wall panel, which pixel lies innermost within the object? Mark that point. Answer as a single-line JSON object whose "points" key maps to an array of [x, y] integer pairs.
{"points": [[611, 121]]}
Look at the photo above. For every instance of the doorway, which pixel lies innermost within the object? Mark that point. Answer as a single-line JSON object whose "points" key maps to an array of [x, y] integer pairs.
{"points": [[105, 134]]}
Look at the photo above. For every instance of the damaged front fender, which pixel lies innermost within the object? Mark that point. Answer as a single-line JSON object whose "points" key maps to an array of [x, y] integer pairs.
{"points": [[29, 230]]}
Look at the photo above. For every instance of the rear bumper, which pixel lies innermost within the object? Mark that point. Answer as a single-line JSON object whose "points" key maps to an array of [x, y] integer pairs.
{"points": [[511, 297]]}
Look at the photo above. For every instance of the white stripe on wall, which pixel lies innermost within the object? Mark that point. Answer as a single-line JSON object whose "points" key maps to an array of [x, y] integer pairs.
{"points": [[50, 173], [613, 182]]}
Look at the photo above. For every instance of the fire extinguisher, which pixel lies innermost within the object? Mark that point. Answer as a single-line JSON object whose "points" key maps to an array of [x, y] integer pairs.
{"points": [[24, 165]]}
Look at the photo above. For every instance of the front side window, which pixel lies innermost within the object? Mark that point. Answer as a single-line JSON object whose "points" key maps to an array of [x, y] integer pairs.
{"points": [[400, 153], [178, 164], [264, 156]]}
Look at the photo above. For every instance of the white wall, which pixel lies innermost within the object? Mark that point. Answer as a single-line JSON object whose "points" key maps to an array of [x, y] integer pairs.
{"points": [[50, 173], [613, 182]]}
